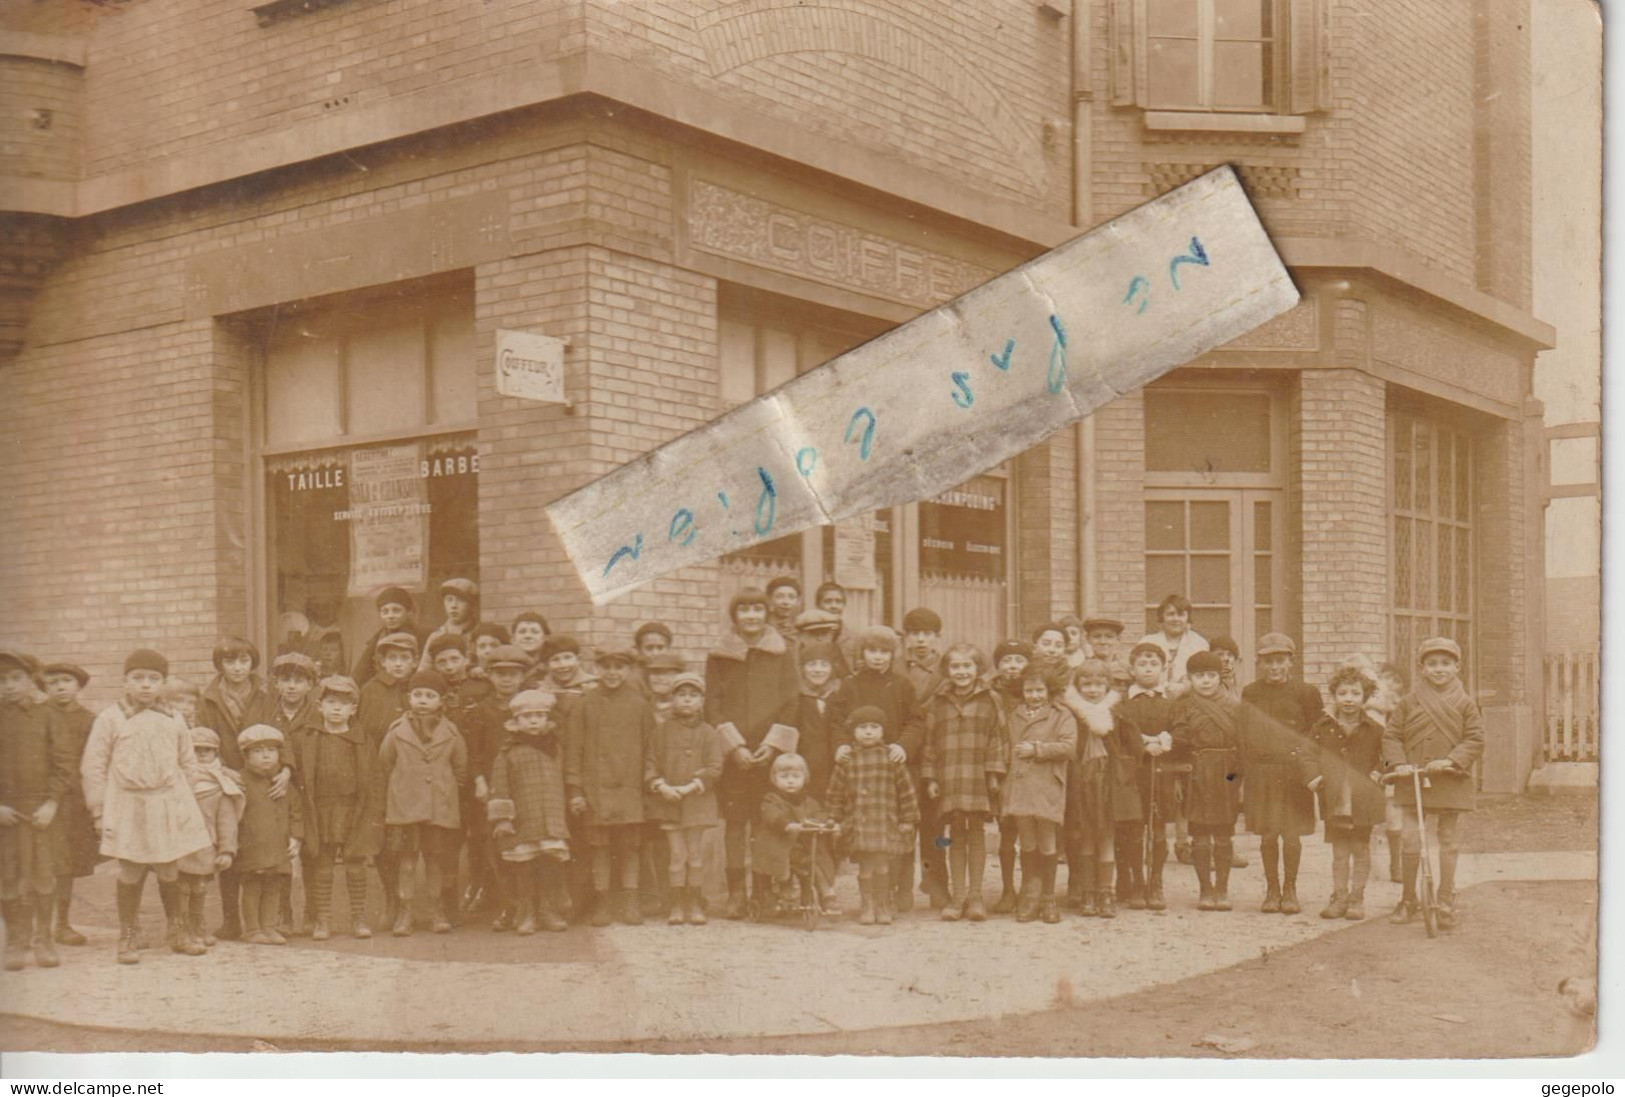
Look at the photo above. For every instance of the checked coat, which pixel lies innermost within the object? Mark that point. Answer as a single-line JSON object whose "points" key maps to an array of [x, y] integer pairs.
{"points": [[529, 773], [872, 798], [965, 742]]}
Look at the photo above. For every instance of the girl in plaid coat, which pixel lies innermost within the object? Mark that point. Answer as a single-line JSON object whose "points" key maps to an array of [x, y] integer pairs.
{"points": [[873, 799], [527, 809], [964, 762]]}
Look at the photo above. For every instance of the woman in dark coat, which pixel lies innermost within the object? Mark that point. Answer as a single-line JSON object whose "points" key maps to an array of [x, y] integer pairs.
{"points": [[1277, 712], [1341, 761], [748, 678]]}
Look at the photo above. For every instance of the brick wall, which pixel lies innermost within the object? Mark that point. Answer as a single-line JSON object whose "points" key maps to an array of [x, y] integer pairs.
{"points": [[1047, 531], [1341, 462], [39, 118], [1119, 518]]}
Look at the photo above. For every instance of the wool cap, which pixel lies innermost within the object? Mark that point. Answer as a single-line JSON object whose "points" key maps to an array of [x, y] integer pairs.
{"points": [[816, 620], [866, 714], [750, 596], [783, 581], [877, 637], [205, 737], [27, 663], [1225, 643], [666, 661], [295, 662], [448, 641], [1276, 643], [617, 653], [651, 628], [1146, 647], [1098, 624], [74, 670], [532, 700], [1012, 647], [428, 679], [688, 678], [509, 655], [1203, 661], [921, 619], [1439, 645], [402, 641], [256, 734], [395, 596], [562, 644], [140, 659], [808, 650], [338, 683], [463, 588]]}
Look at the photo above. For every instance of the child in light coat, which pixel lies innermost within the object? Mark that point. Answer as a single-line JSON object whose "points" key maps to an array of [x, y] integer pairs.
{"points": [[137, 772], [425, 767], [1043, 743]]}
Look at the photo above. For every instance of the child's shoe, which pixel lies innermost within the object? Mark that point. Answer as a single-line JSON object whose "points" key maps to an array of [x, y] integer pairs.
{"points": [[602, 915], [1221, 898], [883, 904], [64, 934], [631, 909], [403, 920], [441, 924], [527, 919], [1289, 898], [273, 937], [1153, 898], [229, 929], [1087, 904], [320, 931], [1027, 905], [1356, 906], [504, 920], [1272, 900], [975, 908], [1404, 913], [1338, 907], [953, 910], [1008, 900], [902, 898], [1048, 912], [1205, 900], [866, 909], [1136, 896], [181, 940], [45, 950], [696, 907], [1444, 910], [678, 915], [1106, 903], [359, 929], [19, 925], [129, 949]]}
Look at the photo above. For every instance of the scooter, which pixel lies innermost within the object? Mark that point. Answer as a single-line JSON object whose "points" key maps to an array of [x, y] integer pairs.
{"points": [[1425, 893]]}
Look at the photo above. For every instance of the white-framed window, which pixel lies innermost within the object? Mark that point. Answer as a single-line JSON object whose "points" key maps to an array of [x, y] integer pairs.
{"points": [[1431, 502]]}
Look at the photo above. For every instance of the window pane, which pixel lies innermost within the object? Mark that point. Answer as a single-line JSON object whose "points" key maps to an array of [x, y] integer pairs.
{"points": [[302, 390], [1422, 566], [1446, 556], [1172, 17], [1464, 478], [384, 374], [1263, 579], [1212, 622], [1446, 476], [1402, 563], [1422, 451], [451, 358], [1171, 73], [1402, 463], [1210, 580], [1263, 621], [1263, 525], [1164, 574], [1206, 432], [1210, 525], [1242, 18], [1164, 526], [1464, 571], [1239, 76], [737, 350]]}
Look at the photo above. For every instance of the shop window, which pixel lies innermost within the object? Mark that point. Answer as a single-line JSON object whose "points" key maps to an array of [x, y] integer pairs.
{"points": [[1432, 536], [370, 465], [1243, 56]]}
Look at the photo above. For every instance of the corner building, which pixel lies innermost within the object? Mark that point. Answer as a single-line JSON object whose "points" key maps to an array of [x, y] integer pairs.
{"points": [[258, 256]]}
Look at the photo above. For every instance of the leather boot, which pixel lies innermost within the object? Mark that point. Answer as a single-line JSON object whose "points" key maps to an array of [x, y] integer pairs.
{"points": [[322, 879], [1202, 857], [1338, 907], [761, 895], [355, 887], [129, 909], [64, 934], [883, 899], [1289, 896], [549, 892], [602, 913], [678, 915], [1048, 911], [1105, 902], [696, 906], [1355, 911], [1222, 862], [44, 947], [19, 929], [631, 911], [1272, 898], [1027, 906], [738, 903], [866, 896], [526, 925], [1153, 898]]}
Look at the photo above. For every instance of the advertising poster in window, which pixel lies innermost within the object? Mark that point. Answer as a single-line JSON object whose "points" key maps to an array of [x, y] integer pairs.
{"points": [[389, 519], [962, 531], [855, 553]]}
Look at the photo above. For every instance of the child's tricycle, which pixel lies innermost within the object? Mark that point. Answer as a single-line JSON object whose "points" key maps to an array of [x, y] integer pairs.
{"points": [[799, 894]]}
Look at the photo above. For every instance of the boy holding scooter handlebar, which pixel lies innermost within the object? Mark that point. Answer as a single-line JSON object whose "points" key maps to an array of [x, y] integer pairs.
{"points": [[1438, 729]]}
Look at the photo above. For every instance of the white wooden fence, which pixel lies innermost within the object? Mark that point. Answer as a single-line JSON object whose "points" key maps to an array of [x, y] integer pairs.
{"points": [[1572, 704]]}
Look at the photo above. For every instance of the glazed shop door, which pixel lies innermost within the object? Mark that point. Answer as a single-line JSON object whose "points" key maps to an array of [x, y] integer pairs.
{"points": [[1221, 548]]}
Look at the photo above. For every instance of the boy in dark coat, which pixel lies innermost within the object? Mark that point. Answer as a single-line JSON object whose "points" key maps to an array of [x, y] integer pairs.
{"points": [[485, 729], [344, 821], [35, 772], [383, 701], [396, 614], [748, 678], [527, 810], [1437, 728], [268, 835], [685, 760], [922, 666], [1341, 762], [1147, 716], [608, 744], [71, 723], [1277, 713], [1206, 729]]}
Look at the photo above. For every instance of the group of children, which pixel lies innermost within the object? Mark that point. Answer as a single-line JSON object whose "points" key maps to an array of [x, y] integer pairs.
{"points": [[583, 794]]}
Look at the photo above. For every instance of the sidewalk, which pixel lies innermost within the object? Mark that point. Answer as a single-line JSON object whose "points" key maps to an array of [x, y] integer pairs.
{"points": [[726, 980]]}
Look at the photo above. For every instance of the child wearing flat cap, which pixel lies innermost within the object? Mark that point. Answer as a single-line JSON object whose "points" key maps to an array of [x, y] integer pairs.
{"points": [[35, 771], [685, 761], [137, 773], [268, 835], [425, 766], [71, 722], [343, 816]]}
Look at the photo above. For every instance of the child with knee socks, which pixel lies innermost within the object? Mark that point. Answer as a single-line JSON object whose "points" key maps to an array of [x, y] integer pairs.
{"points": [[526, 808], [872, 798], [425, 766], [964, 762], [1043, 741], [268, 835], [1207, 729], [1341, 762], [342, 816], [685, 761], [35, 772], [1091, 806], [71, 722], [1436, 728], [137, 773]]}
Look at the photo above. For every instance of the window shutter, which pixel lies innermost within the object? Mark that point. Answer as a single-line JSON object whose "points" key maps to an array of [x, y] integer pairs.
{"points": [[1307, 83], [1128, 52]]}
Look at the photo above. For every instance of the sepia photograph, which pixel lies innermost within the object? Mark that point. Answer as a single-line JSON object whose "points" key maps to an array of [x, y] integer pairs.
{"points": [[1060, 529]]}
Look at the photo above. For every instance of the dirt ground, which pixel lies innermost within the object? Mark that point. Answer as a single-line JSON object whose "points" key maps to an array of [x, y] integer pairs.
{"points": [[1373, 991], [1516, 824]]}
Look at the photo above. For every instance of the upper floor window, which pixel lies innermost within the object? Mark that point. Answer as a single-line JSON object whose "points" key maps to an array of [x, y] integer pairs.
{"points": [[1238, 56]]}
